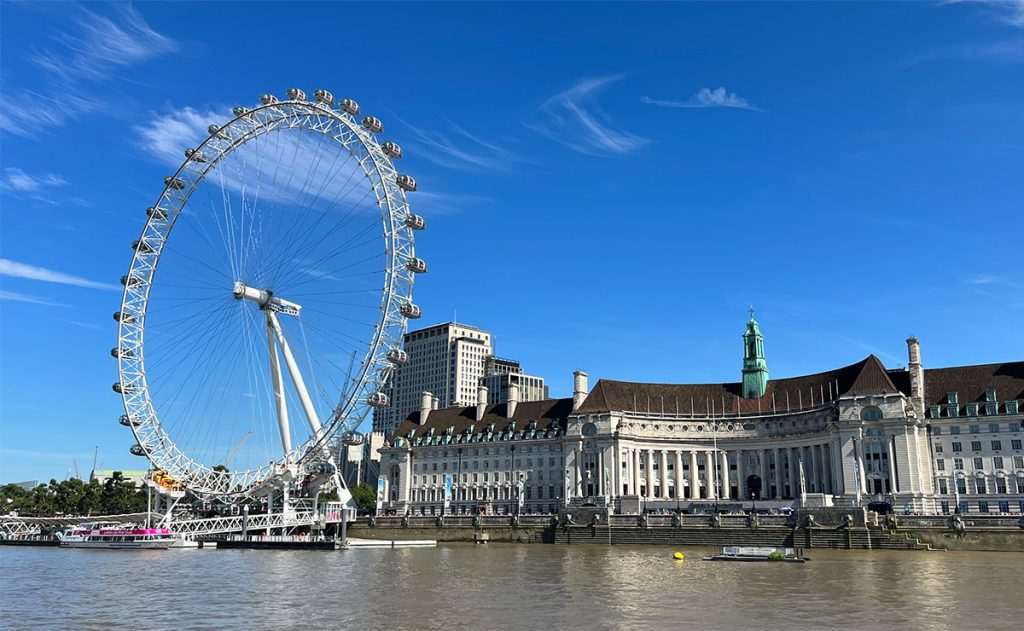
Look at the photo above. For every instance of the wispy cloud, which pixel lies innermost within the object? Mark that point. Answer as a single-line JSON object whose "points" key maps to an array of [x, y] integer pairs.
{"points": [[1010, 50], [15, 269], [457, 148], [435, 203], [166, 136], [85, 325], [101, 43], [16, 297], [1009, 11], [17, 180], [91, 50], [997, 281], [573, 119], [705, 98]]}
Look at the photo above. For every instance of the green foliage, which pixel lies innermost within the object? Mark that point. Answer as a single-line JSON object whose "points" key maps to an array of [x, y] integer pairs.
{"points": [[365, 498], [776, 556], [74, 497]]}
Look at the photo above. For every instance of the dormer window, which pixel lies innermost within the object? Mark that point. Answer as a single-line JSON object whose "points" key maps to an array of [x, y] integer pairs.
{"points": [[1011, 406], [934, 411], [951, 398], [990, 396], [972, 409]]}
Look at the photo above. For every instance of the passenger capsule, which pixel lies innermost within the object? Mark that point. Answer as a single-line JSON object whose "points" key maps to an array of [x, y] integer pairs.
{"points": [[142, 246], [416, 265], [120, 316], [238, 110], [373, 124], [392, 149], [268, 99], [415, 222], [410, 310], [406, 182], [296, 94], [214, 130], [127, 421], [323, 96], [137, 450], [195, 155], [397, 356], [130, 281], [155, 212], [350, 107], [126, 389], [172, 182], [121, 352], [378, 400]]}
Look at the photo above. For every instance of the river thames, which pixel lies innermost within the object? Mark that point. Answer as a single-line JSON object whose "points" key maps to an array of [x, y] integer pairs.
{"points": [[504, 586]]}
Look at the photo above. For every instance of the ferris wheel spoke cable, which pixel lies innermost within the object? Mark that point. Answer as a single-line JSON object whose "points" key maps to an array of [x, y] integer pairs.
{"points": [[332, 254]]}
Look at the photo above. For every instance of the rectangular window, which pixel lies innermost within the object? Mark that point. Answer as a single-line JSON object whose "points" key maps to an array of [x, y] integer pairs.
{"points": [[954, 430], [958, 464], [1004, 506], [940, 464], [1015, 444], [1014, 427], [997, 445], [1001, 486], [961, 486], [993, 427], [982, 507], [943, 487], [975, 445], [978, 463], [1018, 462], [997, 462], [945, 507], [982, 486], [975, 429], [938, 448], [937, 430], [958, 447]]}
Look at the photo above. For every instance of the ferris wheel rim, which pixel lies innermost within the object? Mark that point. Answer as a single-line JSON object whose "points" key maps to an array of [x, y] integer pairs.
{"points": [[143, 419]]}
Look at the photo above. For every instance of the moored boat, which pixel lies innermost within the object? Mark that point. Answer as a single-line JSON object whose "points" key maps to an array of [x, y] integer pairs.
{"points": [[759, 553], [118, 538]]}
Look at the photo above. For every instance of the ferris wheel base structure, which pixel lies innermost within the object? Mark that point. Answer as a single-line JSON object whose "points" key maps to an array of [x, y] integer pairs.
{"points": [[275, 273]]}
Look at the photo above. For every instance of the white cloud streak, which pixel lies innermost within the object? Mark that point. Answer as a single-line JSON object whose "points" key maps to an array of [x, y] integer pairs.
{"points": [[14, 269], [459, 149], [17, 180], [1009, 11], [572, 118], [91, 50], [707, 98], [16, 297]]}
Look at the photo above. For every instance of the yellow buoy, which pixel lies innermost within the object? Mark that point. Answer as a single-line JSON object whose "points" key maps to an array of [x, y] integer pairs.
{"points": [[679, 556]]}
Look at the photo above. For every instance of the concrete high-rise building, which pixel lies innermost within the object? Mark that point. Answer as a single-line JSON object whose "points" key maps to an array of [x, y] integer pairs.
{"points": [[530, 388], [447, 360]]}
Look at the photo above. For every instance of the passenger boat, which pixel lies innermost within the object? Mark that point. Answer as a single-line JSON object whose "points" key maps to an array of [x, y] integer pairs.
{"points": [[118, 538], [759, 553]]}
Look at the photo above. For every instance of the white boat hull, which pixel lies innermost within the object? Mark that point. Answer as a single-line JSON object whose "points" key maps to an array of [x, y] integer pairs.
{"points": [[158, 544]]}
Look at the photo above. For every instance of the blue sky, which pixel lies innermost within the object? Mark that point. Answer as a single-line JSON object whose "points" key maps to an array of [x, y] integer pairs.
{"points": [[607, 186]]}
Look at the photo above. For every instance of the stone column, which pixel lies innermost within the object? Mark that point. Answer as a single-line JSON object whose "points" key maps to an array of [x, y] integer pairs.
{"points": [[709, 474], [858, 445], [826, 467], [663, 465], [649, 470], [763, 465], [725, 475], [634, 487], [694, 477], [778, 474], [892, 467], [741, 481], [678, 464]]}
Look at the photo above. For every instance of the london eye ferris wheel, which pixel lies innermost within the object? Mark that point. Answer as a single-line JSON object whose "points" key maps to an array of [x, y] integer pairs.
{"points": [[267, 297]]}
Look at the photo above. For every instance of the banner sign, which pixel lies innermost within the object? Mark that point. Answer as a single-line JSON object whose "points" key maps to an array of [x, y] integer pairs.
{"points": [[380, 493], [447, 491]]}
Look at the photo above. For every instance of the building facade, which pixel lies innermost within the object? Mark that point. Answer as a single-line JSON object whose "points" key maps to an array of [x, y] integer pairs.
{"points": [[531, 388], [923, 440]]}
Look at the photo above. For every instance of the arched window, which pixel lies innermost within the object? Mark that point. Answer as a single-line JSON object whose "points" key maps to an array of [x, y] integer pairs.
{"points": [[871, 414]]}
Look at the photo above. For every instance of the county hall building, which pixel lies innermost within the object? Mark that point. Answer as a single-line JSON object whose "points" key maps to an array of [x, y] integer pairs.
{"points": [[925, 440]]}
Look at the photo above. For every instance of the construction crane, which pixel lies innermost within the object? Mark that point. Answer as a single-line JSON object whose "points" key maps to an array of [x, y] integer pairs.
{"points": [[234, 451]]}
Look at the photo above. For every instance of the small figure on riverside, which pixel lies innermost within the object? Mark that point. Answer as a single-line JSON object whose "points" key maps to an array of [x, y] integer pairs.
{"points": [[477, 522], [811, 523], [677, 520], [752, 521], [847, 521], [405, 520], [716, 521], [958, 526], [439, 521]]}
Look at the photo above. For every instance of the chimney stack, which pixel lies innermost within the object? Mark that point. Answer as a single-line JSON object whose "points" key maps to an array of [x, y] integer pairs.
{"points": [[513, 399], [580, 388], [916, 375], [435, 403], [481, 402], [425, 406]]}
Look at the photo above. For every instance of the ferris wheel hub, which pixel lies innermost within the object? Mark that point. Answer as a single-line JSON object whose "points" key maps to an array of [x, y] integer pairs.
{"points": [[266, 299]]}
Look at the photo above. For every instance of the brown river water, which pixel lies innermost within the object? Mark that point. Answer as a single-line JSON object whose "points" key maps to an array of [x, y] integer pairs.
{"points": [[505, 586]]}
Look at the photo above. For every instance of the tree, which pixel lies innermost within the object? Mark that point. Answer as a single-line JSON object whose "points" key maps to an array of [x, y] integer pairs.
{"points": [[365, 498]]}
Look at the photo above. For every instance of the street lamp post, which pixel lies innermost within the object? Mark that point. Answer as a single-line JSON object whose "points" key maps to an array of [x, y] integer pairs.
{"points": [[458, 476], [714, 465]]}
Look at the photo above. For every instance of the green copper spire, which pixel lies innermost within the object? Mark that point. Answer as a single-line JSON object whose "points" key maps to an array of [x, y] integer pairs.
{"points": [[755, 369]]}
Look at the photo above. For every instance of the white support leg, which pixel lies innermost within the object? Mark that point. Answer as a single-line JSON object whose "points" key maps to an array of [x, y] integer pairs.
{"points": [[278, 379]]}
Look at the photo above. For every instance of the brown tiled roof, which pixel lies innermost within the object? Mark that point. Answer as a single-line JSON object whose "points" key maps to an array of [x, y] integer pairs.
{"points": [[459, 418], [867, 376], [971, 382]]}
